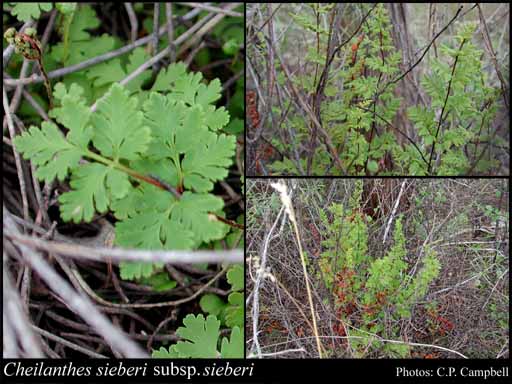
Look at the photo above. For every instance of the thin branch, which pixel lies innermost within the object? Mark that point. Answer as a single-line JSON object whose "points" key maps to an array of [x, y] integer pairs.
{"points": [[325, 73], [34, 104], [494, 288], [49, 28], [206, 28], [18, 92], [378, 338], [287, 203], [327, 139], [441, 118], [109, 55], [279, 353], [16, 321], [68, 344], [232, 80], [134, 23], [258, 283], [154, 41], [488, 43], [17, 159], [75, 275], [424, 52], [136, 73], [393, 212], [170, 32], [213, 9], [396, 129], [255, 33], [105, 254], [193, 53], [76, 302]]}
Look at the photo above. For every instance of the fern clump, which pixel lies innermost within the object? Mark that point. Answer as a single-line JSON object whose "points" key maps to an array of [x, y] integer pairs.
{"points": [[373, 62], [369, 293], [119, 157], [357, 103]]}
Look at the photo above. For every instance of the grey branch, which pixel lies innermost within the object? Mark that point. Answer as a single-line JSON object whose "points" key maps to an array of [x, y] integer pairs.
{"points": [[393, 213], [134, 24], [210, 8], [16, 324], [77, 302], [118, 254], [170, 32], [99, 59]]}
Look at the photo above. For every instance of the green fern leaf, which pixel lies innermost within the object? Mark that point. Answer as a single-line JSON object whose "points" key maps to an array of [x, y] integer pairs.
{"points": [[132, 271], [49, 151], [128, 141], [208, 162], [234, 348], [207, 94], [95, 185], [28, 11], [235, 311], [236, 277], [192, 212], [213, 305], [167, 77], [202, 336], [153, 230], [119, 132]]}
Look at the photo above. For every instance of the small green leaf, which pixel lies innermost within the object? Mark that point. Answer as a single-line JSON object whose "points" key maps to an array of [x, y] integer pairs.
{"points": [[331, 90], [48, 149], [235, 310], [234, 348], [373, 167], [202, 335], [159, 281], [136, 270], [231, 47], [212, 304], [153, 230], [236, 277], [28, 11], [163, 353], [192, 212], [84, 18], [215, 119], [167, 77], [207, 94], [235, 127]]}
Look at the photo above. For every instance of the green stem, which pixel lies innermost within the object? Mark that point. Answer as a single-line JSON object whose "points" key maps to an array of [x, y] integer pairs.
{"points": [[152, 181], [176, 160], [47, 83], [131, 172], [67, 25], [114, 164]]}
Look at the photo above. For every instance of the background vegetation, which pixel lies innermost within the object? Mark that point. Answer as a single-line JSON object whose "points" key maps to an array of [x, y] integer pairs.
{"points": [[463, 310], [373, 89]]}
